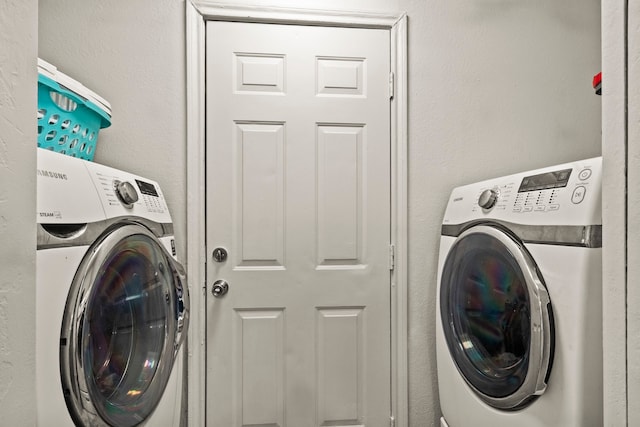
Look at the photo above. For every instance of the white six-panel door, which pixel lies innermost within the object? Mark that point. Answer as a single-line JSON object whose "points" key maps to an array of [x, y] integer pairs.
{"points": [[298, 194]]}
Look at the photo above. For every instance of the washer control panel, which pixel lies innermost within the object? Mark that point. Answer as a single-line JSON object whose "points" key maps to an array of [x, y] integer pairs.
{"points": [[561, 193], [537, 193], [75, 191], [124, 194]]}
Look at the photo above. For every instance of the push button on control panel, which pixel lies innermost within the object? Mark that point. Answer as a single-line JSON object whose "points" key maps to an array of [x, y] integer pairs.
{"points": [[578, 194], [584, 174]]}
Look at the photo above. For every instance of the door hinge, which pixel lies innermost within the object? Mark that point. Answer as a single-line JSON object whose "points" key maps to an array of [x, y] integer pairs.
{"points": [[392, 421], [392, 257], [392, 85]]}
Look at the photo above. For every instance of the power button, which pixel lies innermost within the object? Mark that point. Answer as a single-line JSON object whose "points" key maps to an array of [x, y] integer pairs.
{"points": [[578, 195], [584, 174]]}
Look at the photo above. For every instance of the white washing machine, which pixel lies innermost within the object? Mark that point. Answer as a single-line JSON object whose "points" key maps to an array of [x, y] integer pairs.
{"points": [[111, 298], [519, 318]]}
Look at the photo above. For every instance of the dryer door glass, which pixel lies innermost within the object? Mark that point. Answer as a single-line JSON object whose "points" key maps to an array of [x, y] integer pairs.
{"points": [[125, 317], [489, 301]]}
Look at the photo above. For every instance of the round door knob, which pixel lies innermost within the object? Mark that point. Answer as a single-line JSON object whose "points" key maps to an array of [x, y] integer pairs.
{"points": [[126, 193], [488, 199], [220, 288]]}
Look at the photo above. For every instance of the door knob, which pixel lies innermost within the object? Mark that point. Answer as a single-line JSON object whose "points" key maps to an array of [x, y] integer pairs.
{"points": [[220, 288]]}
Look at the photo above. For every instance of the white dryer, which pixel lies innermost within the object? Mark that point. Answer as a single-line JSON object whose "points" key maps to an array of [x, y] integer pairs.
{"points": [[111, 298], [519, 318]]}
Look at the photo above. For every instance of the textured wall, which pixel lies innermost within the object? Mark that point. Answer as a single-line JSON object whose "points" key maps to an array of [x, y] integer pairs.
{"points": [[18, 46], [496, 86]]}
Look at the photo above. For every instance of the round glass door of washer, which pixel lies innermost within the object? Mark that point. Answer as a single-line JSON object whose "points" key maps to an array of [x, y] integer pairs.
{"points": [[497, 317], [126, 314]]}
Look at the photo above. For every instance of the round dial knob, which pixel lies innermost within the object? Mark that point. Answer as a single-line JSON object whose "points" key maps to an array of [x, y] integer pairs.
{"points": [[126, 193], [488, 199]]}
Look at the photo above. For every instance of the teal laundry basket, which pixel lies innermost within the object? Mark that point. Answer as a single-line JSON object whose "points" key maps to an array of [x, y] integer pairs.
{"points": [[68, 120]]}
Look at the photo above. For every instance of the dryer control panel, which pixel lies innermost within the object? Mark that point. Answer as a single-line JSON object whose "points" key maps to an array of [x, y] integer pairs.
{"points": [[567, 194]]}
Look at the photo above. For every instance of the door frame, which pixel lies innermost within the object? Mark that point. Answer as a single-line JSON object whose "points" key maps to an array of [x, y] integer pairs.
{"points": [[197, 13]]}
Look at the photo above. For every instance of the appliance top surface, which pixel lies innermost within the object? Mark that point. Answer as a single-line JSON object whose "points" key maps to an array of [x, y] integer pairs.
{"points": [[566, 194], [75, 191]]}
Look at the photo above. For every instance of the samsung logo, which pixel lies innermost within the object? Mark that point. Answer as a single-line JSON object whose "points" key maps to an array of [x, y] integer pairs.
{"points": [[458, 199], [51, 174]]}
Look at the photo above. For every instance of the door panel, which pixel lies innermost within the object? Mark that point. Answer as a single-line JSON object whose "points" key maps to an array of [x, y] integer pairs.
{"points": [[298, 192], [339, 204], [340, 361], [259, 192], [260, 369]]}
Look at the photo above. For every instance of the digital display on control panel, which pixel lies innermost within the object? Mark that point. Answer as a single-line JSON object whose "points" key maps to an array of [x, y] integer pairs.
{"points": [[545, 181], [147, 188]]}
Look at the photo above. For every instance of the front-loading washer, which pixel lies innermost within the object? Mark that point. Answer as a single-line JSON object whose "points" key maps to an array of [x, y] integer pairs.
{"points": [[519, 318], [111, 298]]}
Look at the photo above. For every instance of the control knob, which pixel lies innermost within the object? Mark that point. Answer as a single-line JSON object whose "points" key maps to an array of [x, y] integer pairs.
{"points": [[488, 199], [126, 193]]}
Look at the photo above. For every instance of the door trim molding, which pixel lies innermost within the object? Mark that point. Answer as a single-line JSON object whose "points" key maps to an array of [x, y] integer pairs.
{"points": [[212, 11], [199, 11]]}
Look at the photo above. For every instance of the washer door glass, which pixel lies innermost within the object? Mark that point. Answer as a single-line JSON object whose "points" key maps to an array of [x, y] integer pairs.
{"points": [[122, 327], [496, 317]]}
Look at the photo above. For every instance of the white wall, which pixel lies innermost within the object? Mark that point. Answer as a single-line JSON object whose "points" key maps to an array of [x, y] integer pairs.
{"points": [[496, 86], [18, 43]]}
